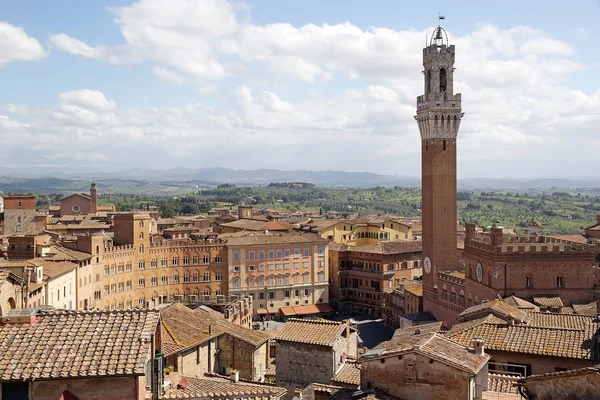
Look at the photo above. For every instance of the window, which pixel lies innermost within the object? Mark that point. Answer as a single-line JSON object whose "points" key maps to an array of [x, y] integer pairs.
{"points": [[141, 249], [251, 255], [296, 265], [271, 280], [297, 293], [113, 269], [142, 282], [153, 263], [219, 293], [287, 293], [175, 261], [236, 282], [218, 259], [141, 235], [186, 278], [142, 264], [128, 266], [141, 301], [306, 292], [261, 255], [154, 281], [278, 267], [286, 254], [271, 267], [261, 296], [321, 251], [271, 295], [141, 224], [321, 276], [236, 268], [236, 256], [206, 260], [261, 281], [176, 278], [279, 280], [286, 265], [106, 288], [163, 263], [251, 267], [286, 280], [305, 278], [278, 253], [186, 260], [106, 269], [305, 264], [121, 287], [128, 285], [296, 253], [528, 282], [297, 279], [560, 281], [261, 267], [195, 277], [271, 254], [19, 219], [218, 277], [196, 260], [164, 279], [207, 277], [251, 281]]}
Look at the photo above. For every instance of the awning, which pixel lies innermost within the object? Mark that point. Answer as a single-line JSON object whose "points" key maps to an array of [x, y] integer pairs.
{"points": [[273, 310], [262, 311], [306, 310], [287, 311], [324, 308]]}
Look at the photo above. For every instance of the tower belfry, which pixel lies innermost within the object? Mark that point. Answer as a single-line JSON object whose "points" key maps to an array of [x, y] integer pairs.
{"points": [[438, 115]]}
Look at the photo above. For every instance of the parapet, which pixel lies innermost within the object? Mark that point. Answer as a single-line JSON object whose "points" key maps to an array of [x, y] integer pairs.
{"points": [[529, 244]]}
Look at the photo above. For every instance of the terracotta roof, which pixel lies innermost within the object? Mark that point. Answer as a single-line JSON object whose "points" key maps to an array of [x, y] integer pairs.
{"points": [[67, 343], [572, 238], [335, 246], [333, 392], [56, 269], [183, 328], [502, 383], [84, 195], [549, 334], [431, 344], [248, 224], [277, 226], [396, 247], [590, 309], [348, 373], [260, 238], [417, 289], [61, 253], [554, 375], [520, 303], [548, 301], [256, 338], [320, 332], [214, 387], [497, 307]]}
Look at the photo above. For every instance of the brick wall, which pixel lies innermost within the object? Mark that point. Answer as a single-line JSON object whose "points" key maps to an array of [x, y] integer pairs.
{"points": [[89, 389]]}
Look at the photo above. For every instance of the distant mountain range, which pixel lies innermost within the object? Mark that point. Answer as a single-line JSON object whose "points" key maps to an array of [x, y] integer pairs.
{"points": [[178, 180]]}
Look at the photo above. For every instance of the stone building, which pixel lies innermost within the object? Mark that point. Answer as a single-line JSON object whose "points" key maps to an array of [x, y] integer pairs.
{"points": [[438, 116], [526, 342], [367, 272], [106, 368], [278, 270], [407, 298], [19, 215], [579, 384], [12, 291], [312, 351], [198, 342], [83, 203], [419, 363]]}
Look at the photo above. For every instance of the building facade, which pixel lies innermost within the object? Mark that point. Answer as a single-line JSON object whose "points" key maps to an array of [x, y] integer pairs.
{"points": [[367, 272], [278, 270], [438, 115], [19, 215]]}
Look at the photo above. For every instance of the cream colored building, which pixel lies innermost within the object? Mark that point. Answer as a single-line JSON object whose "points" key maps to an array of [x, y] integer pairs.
{"points": [[61, 286], [278, 270]]}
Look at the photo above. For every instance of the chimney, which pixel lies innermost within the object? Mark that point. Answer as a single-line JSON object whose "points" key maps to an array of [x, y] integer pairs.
{"points": [[478, 346], [235, 376], [298, 394]]}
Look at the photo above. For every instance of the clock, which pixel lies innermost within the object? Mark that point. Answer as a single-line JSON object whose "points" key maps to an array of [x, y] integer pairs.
{"points": [[479, 272], [427, 264]]}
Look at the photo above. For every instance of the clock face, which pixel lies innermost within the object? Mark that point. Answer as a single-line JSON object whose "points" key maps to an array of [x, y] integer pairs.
{"points": [[479, 272], [427, 264]]}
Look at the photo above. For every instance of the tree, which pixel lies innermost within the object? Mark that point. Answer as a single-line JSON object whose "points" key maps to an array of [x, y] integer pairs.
{"points": [[168, 210]]}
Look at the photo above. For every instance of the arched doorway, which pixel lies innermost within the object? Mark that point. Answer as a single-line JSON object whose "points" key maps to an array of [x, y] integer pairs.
{"points": [[12, 303]]}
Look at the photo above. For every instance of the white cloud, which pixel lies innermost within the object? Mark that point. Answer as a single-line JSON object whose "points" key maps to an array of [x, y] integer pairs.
{"points": [[15, 45], [167, 75]]}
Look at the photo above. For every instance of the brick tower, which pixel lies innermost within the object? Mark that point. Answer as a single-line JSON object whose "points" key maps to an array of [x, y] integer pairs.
{"points": [[438, 115]]}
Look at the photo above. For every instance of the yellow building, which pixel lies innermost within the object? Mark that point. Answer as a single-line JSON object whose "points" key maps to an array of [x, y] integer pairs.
{"points": [[361, 231]]}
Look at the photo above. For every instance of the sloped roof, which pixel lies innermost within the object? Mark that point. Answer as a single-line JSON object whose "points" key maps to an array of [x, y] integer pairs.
{"points": [[520, 303], [248, 224], [320, 332], [67, 343], [260, 238], [548, 301], [256, 338], [182, 328], [409, 336], [348, 373], [214, 387], [395, 247], [497, 307], [61, 253], [590, 309], [84, 195]]}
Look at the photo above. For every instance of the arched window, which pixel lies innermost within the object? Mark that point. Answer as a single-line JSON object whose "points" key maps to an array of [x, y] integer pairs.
{"points": [[236, 282], [435, 120], [528, 281], [442, 80], [560, 281], [141, 249]]}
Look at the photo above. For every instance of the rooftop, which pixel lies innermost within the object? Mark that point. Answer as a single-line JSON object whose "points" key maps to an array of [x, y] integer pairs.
{"points": [[496, 307], [320, 332], [219, 387], [396, 247], [63, 344], [262, 238], [348, 373]]}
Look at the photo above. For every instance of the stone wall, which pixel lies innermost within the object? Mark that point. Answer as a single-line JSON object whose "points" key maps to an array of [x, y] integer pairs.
{"points": [[240, 355], [412, 376], [300, 364], [539, 364]]}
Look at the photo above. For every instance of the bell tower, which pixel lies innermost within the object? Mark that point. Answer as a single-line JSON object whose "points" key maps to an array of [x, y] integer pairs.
{"points": [[438, 115]]}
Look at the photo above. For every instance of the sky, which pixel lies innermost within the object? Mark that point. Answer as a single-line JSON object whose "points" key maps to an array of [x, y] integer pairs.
{"points": [[105, 85]]}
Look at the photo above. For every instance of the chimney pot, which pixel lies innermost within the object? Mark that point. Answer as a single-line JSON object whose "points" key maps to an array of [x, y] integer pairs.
{"points": [[478, 346]]}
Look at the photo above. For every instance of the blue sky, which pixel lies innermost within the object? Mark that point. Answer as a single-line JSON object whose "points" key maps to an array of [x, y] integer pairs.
{"points": [[104, 85]]}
